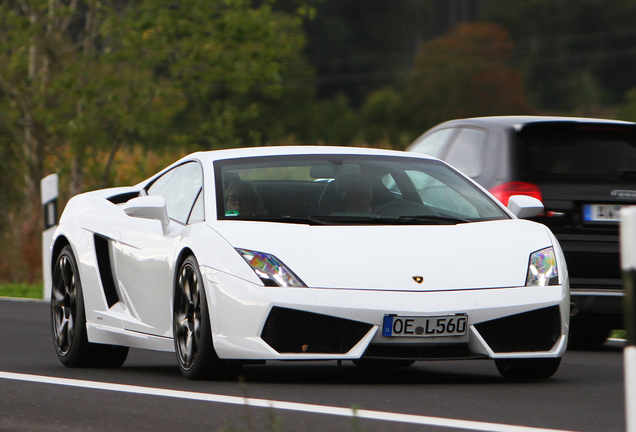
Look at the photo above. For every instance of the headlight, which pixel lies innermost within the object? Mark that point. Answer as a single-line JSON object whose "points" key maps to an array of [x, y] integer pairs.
{"points": [[542, 269], [270, 269]]}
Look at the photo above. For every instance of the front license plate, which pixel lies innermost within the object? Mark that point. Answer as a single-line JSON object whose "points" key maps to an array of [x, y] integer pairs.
{"points": [[419, 326], [601, 212]]}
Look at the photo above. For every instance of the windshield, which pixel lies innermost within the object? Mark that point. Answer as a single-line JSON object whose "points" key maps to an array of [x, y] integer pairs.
{"points": [[348, 189], [570, 150]]}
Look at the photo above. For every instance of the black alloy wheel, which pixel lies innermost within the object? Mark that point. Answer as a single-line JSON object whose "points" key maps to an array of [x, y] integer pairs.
{"points": [[191, 328], [64, 304], [187, 315], [68, 320]]}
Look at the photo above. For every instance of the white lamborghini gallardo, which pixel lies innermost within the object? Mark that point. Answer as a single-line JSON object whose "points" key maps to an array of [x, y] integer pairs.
{"points": [[247, 255]]}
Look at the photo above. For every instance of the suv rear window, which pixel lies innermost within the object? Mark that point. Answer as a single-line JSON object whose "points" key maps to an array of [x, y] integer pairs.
{"points": [[574, 150]]}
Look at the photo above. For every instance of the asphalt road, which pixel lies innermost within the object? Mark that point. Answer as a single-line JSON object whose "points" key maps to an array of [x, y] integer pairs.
{"points": [[149, 394]]}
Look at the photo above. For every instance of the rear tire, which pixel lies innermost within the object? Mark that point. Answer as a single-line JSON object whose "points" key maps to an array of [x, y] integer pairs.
{"points": [[523, 368], [191, 328], [68, 320]]}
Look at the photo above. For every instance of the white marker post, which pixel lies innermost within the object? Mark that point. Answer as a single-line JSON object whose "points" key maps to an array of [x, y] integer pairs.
{"points": [[628, 264], [48, 192]]}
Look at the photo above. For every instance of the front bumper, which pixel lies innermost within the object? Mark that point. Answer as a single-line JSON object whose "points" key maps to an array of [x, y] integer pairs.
{"points": [[323, 323]]}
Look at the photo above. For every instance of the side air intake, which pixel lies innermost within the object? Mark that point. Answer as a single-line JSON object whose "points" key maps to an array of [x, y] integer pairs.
{"points": [[537, 330], [105, 270], [295, 331]]}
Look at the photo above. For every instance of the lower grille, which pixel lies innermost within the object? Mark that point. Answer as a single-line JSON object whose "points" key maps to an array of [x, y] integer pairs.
{"points": [[536, 330], [419, 351], [294, 331]]}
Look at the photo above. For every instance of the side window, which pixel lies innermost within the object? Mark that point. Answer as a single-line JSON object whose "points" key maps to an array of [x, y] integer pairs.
{"points": [[433, 144], [180, 187], [467, 152]]}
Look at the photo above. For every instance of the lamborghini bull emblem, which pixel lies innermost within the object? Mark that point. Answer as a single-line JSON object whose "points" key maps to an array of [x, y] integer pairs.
{"points": [[418, 279]]}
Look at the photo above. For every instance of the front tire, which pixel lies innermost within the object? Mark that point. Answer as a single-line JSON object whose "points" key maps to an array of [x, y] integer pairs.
{"points": [[382, 363], [68, 320], [191, 327], [523, 368]]}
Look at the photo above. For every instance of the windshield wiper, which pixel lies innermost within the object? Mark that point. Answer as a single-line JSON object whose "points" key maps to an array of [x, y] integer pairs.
{"points": [[358, 220], [449, 220], [311, 220], [284, 219], [400, 220]]}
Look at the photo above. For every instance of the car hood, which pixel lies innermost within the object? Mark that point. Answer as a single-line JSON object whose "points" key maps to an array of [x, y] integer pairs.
{"points": [[465, 256]]}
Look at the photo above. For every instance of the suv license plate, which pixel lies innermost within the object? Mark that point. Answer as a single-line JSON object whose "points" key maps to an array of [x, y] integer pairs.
{"points": [[420, 326], [601, 212]]}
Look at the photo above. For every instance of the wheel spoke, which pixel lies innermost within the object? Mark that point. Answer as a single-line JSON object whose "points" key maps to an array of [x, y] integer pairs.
{"points": [[58, 296], [197, 327], [72, 298], [60, 316], [65, 267], [58, 282], [189, 348], [62, 335], [195, 294], [185, 285], [180, 287], [183, 334], [71, 325], [181, 318]]}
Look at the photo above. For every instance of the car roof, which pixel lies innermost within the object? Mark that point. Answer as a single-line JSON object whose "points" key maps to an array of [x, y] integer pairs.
{"points": [[213, 155], [243, 152], [519, 121]]}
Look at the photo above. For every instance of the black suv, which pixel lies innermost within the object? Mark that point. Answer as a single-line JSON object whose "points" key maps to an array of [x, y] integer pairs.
{"points": [[583, 170]]}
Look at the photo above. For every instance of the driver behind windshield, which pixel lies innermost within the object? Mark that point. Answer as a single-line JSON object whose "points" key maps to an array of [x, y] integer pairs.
{"points": [[241, 198], [355, 193]]}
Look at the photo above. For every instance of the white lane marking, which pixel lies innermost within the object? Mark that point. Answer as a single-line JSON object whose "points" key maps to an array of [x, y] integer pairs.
{"points": [[264, 403]]}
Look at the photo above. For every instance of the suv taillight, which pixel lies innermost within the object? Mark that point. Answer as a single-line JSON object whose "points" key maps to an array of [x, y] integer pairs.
{"points": [[504, 191]]}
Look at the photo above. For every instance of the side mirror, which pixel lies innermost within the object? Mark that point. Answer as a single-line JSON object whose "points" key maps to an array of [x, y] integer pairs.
{"points": [[524, 206], [149, 207]]}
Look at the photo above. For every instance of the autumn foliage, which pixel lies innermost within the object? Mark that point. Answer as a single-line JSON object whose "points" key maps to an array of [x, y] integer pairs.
{"points": [[466, 73]]}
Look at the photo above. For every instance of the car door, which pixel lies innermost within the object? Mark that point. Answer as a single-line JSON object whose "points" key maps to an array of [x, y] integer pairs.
{"points": [[143, 256]]}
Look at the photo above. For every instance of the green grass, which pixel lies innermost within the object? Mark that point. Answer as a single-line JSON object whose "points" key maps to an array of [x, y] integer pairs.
{"points": [[22, 290]]}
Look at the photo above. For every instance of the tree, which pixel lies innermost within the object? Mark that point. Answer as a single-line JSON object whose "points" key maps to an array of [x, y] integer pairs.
{"points": [[34, 48], [359, 46], [217, 64], [465, 73], [383, 116], [86, 78], [562, 43]]}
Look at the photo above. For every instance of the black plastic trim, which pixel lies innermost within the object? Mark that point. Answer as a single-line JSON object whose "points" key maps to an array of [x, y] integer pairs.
{"points": [[105, 270], [123, 198]]}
